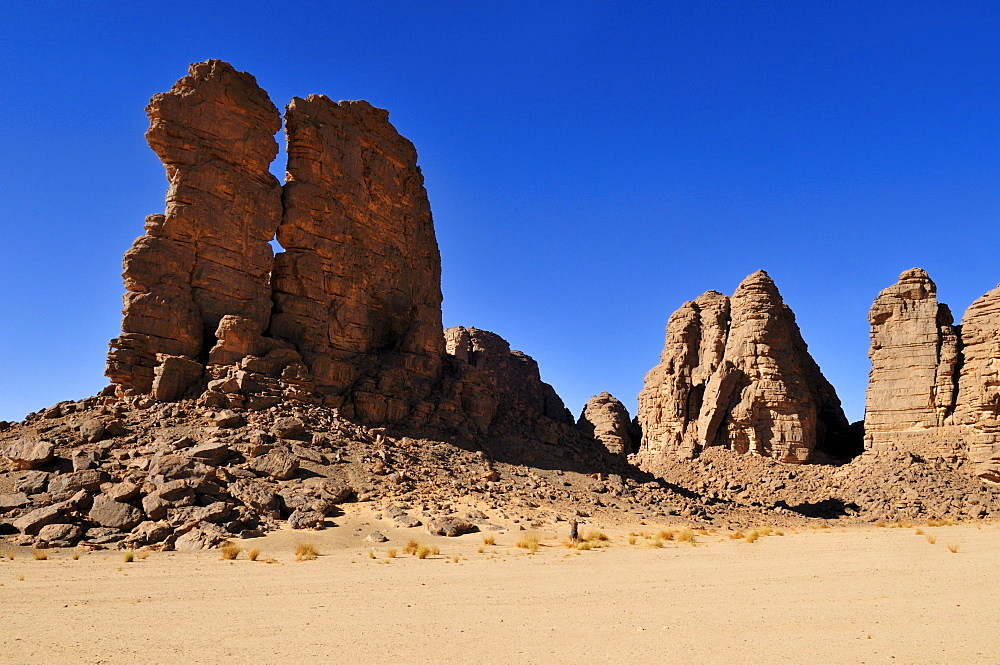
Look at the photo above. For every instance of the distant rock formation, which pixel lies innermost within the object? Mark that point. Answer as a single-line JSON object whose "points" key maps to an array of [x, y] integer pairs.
{"points": [[347, 316], [934, 388], [978, 402], [607, 420], [736, 373], [914, 353]]}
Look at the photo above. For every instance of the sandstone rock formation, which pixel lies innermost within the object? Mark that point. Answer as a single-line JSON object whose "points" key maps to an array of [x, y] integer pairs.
{"points": [[914, 351], [358, 287], [209, 255], [348, 315], [607, 420], [978, 401], [496, 390], [736, 373], [934, 387]]}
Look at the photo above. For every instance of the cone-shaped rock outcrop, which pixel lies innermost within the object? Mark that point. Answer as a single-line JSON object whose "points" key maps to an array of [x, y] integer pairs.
{"points": [[347, 316], [735, 372], [607, 420]]}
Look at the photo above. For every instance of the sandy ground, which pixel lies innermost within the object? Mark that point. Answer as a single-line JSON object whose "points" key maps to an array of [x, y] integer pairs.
{"points": [[824, 596]]}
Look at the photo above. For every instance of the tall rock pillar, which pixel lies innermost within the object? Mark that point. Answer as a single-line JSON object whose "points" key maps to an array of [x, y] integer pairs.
{"points": [[208, 255]]}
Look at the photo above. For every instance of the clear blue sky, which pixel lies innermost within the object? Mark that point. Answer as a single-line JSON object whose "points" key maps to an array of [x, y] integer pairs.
{"points": [[590, 165]]}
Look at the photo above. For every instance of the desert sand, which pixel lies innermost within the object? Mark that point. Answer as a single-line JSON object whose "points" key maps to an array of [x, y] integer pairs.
{"points": [[837, 595]]}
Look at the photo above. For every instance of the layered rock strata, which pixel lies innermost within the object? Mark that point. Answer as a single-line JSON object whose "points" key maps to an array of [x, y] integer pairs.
{"points": [[607, 420], [353, 320], [735, 372], [934, 387], [208, 255], [358, 287], [978, 403], [914, 352]]}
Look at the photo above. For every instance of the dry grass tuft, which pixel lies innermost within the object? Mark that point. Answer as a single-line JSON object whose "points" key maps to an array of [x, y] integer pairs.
{"points": [[253, 553], [489, 540], [20, 578], [656, 542], [953, 548], [128, 556], [597, 537], [666, 534], [528, 542], [585, 545], [411, 547], [230, 551], [931, 539], [40, 555], [918, 532], [480, 549], [940, 522], [76, 556], [737, 535], [306, 552], [371, 554], [422, 551], [752, 536], [142, 555], [685, 536], [631, 539], [391, 553]]}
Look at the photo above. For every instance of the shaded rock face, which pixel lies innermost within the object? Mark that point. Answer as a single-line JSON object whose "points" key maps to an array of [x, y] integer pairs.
{"points": [[607, 420], [934, 387], [914, 353], [347, 316], [358, 287], [978, 401], [735, 372], [209, 254], [491, 389]]}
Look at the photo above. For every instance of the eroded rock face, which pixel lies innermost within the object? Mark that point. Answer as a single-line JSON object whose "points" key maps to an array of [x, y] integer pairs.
{"points": [[736, 373], [209, 255], [347, 316], [358, 287], [978, 403], [914, 352], [607, 420]]}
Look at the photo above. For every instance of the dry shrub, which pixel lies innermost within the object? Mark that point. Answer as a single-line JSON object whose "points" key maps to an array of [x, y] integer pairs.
{"points": [[584, 545], [931, 539], [685, 536], [656, 542], [737, 535], [230, 551], [528, 542], [253, 553], [631, 539], [597, 537], [371, 554], [480, 549], [752, 536], [953, 548], [779, 532], [489, 540], [411, 547], [666, 534], [142, 555], [40, 555], [422, 551], [128, 556], [918, 532], [306, 552], [940, 522], [76, 556], [391, 553]]}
